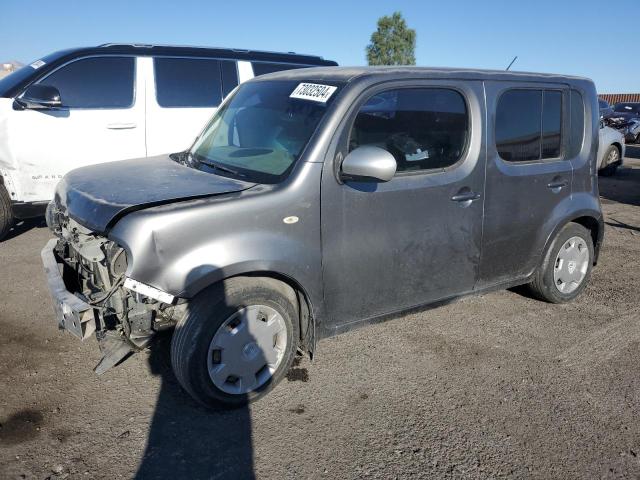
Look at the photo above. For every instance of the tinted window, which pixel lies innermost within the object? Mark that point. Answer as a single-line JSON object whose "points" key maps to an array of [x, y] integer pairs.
{"points": [[518, 125], [551, 124], [229, 76], [100, 82], [424, 128], [577, 123], [187, 82], [603, 104], [260, 68]]}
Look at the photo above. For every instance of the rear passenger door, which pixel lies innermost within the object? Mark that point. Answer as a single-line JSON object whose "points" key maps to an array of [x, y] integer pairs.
{"points": [[528, 175], [182, 94], [415, 239]]}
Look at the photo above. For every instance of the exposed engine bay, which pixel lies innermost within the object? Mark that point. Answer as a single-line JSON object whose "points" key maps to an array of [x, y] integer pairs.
{"points": [[94, 269]]}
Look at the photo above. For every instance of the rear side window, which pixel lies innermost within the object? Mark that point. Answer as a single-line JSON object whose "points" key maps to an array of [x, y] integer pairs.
{"points": [[577, 124], [98, 82], [262, 68], [423, 128], [187, 82], [529, 125]]}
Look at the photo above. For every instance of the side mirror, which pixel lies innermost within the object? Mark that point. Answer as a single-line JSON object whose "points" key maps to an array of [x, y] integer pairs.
{"points": [[40, 97], [369, 162]]}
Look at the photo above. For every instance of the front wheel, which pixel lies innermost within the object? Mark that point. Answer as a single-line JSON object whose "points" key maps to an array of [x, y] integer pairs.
{"points": [[6, 212], [236, 341], [566, 267]]}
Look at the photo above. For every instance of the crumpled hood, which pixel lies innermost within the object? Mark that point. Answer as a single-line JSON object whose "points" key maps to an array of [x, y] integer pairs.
{"points": [[623, 116], [94, 196]]}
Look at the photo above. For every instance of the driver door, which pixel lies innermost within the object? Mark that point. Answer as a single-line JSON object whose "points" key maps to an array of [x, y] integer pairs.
{"points": [[389, 246], [101, 120]]}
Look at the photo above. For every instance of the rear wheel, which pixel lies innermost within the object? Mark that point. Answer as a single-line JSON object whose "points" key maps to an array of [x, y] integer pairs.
{"points": [[236, 341], [566, 267], [612, 161], [6, 212]]}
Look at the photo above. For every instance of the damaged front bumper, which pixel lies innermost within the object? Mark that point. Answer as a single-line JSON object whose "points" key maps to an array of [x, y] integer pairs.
{"points": [[72, 313], [118, 336]]}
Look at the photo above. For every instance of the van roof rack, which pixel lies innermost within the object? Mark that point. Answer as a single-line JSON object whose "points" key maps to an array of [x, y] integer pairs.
{"points": [[238, 50]]}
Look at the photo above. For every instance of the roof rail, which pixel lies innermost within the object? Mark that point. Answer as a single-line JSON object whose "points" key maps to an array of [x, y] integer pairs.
{"points": [[104, 45], [241, 50]]}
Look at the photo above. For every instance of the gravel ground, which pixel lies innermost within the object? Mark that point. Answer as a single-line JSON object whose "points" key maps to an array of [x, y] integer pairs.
{"points": [[498, 385]]}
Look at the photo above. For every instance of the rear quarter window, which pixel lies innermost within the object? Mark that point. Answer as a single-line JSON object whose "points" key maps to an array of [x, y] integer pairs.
{"points": [[577, 123]]}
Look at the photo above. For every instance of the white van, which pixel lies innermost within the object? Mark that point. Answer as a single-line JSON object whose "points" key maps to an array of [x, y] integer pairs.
{"points": [[112, 102]]}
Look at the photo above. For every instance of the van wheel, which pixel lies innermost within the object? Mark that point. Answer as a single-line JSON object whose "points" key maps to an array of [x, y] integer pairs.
{"points": [[567, 265], [612, 160], [6, 212], [236, 341]]}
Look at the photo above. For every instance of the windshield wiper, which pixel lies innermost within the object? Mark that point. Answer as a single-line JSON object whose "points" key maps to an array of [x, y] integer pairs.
{"points": [[217, 166]]}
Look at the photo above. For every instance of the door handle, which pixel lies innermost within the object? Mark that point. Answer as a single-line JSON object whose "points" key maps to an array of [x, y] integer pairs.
{"points": [[557, 184], [465, 197], [121, 126]]}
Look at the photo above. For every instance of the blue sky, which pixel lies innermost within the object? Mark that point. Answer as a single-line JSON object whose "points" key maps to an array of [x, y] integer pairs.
{"points": [[561, 36]]}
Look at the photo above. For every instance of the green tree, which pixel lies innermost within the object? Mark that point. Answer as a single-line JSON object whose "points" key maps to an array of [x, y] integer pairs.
{"points": [[393, 43]]}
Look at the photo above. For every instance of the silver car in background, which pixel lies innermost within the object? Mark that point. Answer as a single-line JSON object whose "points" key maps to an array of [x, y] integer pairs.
{"points": [[611, 150]]}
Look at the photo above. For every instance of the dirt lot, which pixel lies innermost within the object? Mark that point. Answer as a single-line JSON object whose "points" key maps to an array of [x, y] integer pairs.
{"points": [[492, 386]]}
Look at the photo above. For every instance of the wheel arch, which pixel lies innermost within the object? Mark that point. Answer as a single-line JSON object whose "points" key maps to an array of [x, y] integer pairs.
{"points": [[618, 145], [304, 303], [589, 220]]}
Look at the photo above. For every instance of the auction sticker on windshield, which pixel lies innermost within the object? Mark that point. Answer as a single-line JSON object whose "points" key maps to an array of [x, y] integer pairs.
{"points": [[313, 92], [37, 64]]}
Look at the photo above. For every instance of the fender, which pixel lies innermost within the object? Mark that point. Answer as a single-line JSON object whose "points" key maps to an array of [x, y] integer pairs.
{"points": [[183, 247], [566, 211]]}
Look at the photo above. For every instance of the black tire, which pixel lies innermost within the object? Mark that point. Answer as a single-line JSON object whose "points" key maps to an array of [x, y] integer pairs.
{"points": [[610, 170], [206, 313], [6, 212], [543, 285]]}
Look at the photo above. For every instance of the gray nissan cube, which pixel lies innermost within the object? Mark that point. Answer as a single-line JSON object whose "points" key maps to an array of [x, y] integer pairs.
{"points": [[322, 199]]}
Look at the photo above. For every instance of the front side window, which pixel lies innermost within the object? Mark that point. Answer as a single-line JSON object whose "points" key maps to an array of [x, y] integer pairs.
{"points": [[96, 82], [187, 82], [529, 125], [260, 133], [423, 128]]}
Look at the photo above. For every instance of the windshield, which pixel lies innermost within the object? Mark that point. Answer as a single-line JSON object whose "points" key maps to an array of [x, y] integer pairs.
{"points": [[262, 131], [627, 107]]}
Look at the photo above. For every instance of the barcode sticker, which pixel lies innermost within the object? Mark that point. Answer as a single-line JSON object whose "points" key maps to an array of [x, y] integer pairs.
{"points": [[313, 92]]}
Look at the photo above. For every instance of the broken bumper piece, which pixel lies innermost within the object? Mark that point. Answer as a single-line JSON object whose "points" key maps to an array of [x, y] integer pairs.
{"points": [[73, 314], [78, 317]]}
